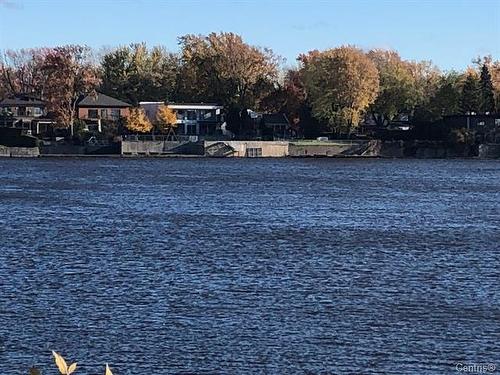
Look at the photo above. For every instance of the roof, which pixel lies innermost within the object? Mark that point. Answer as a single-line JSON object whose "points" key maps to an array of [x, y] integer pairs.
{"points": [[275, 119], [100, 100], [21, 101], [475, 115], [194, 106]]}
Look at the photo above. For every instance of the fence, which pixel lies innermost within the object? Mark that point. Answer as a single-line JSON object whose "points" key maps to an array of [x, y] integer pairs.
{"points": [[159, 137]]}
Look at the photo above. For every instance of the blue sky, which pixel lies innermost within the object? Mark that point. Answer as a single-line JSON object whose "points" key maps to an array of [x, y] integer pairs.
{"points": [[448, 32]]}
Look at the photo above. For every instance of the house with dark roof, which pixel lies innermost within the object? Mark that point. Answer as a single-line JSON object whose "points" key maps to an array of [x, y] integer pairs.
{"points": [[486, 127], [478, 122], [27, 112], [275, 126], [23, 108], [94, 108]]}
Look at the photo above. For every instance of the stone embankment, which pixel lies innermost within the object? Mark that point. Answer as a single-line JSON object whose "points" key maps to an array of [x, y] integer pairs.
{"points": [[489, 151], [19, 152], [334, 148]]}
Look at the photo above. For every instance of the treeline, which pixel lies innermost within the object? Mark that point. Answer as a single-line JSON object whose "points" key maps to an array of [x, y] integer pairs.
{"points": [[328, 90]]}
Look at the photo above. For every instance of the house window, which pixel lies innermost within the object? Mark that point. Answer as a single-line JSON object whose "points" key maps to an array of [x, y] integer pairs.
{"points": [[37, 111], [191, 115], [92, 113], [104, 113], [497, 122], [115, 114], [481, 123], [191, 129], [254, 152], [180, 115], [21, 111]]}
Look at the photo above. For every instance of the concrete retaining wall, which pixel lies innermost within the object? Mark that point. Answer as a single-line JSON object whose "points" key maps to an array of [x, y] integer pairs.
{"points": [[147, 147], [19, 152], [489, 150], [267, 148], [366, 148], [317, 149], [337, 148]]}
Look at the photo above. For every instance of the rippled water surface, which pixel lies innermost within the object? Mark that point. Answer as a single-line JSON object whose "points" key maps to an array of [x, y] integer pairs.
{"points": [[163, 266]]}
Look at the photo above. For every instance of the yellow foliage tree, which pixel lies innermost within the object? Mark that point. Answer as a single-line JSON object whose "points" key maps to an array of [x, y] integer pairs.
{"points": [[137, 121], [166, 118], [340, 84]]}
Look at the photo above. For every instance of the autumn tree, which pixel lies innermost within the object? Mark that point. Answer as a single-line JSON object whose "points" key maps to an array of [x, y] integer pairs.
{"points": [[4, 89], [289, 97], [137, 121], [166, 119], [470, 99], [222, 68], [487, 97], [21, 71], [426, 75], [495, 79], [69, 75], [340, 84], [397, 92], [134, 73]]}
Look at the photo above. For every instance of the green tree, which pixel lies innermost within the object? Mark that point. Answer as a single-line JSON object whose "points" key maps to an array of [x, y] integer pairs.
{"points": [[136, 73], [397, 93], [487, 100], [427, 78], [446, 99], [340, 84], [495, 78], [470, 98]]}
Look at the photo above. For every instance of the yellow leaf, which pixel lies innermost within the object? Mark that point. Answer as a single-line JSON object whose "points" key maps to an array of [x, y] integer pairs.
{"points": [[72, 368], [61, 363], [108, 371]]}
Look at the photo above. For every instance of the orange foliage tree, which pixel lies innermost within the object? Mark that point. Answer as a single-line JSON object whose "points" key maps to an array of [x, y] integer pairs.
{"points": [[69, 74]]}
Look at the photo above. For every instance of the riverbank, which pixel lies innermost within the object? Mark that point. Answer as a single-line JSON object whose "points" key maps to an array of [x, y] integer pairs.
{"points": [[270, 149], [313, 148], [19, 152]]}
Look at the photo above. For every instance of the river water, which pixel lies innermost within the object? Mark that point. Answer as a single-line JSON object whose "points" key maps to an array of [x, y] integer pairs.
{"points": [[283, 266]]}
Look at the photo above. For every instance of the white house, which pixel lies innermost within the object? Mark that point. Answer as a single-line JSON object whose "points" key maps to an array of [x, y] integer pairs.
{"points": [[193, 119]]}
